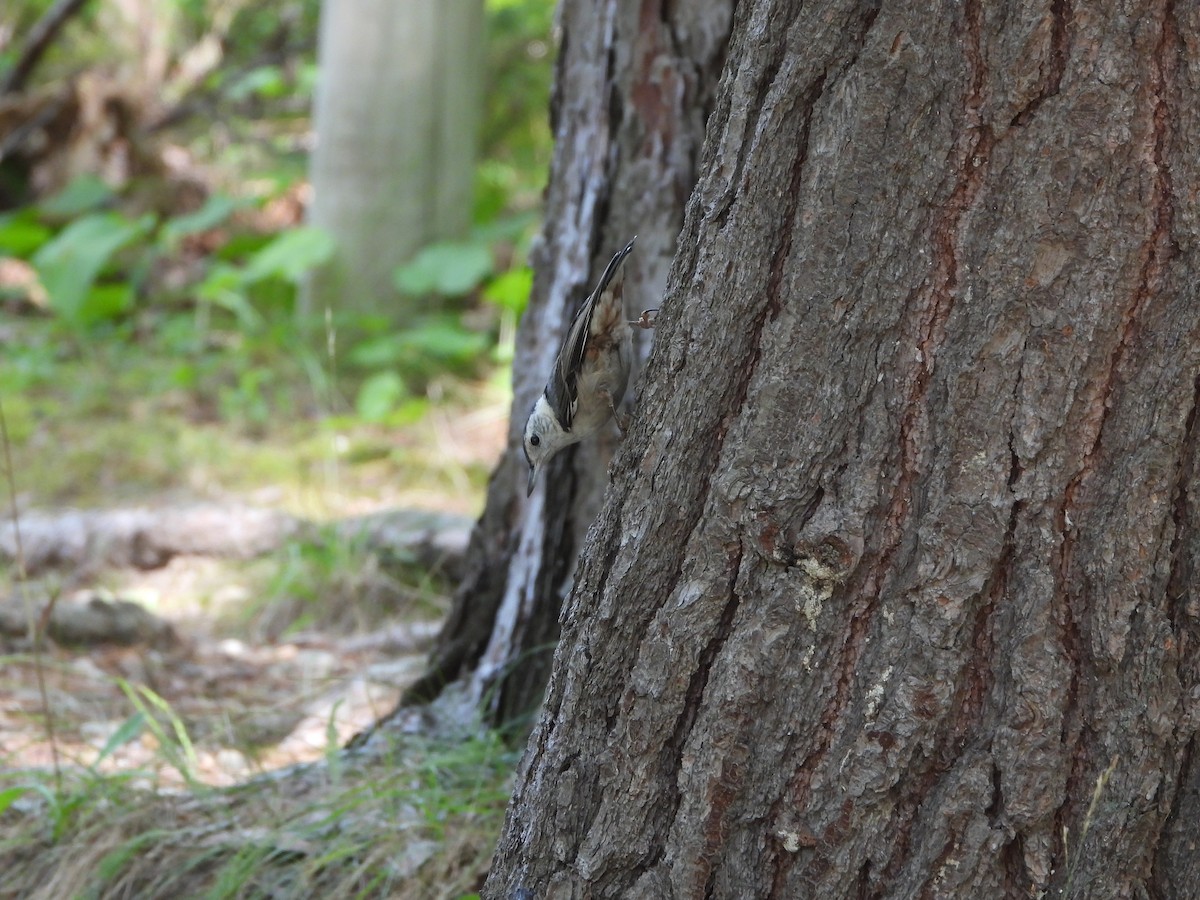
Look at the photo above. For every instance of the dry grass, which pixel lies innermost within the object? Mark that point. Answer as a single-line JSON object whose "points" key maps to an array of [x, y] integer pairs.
{"points": [[212, 768], [226, 779], [417, 821]]}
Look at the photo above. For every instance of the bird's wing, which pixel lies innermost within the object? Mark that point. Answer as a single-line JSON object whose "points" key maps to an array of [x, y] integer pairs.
{"points": [[562, 390]]}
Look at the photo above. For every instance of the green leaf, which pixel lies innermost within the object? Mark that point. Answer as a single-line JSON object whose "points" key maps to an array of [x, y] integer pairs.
{"points": [[9, 796], [265, 81], [216, 209], [105, 302], [221, 279], [291, 255], [242, 244], [448, 269], [435, 342], [130, 729], [511, 289], [224, 287], [179, 753], [21, 233], [69, 264], [111, 864], [445, 341], [410, 412], [379, 395], [85, 193], [333, 747], [377, 352]]}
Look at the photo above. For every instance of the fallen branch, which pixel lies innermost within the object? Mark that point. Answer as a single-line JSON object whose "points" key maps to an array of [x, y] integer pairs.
{"points": [[90, 620], [141, 538]]}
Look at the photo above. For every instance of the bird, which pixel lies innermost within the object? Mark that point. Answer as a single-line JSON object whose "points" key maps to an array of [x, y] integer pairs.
{"points": [[589, 376]]}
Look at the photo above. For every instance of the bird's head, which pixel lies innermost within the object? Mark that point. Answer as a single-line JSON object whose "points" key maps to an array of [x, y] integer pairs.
{"points": [[544, 437]]}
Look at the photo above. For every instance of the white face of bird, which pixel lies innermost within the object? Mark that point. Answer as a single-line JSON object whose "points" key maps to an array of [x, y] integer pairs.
{"points": [[544, 437]]}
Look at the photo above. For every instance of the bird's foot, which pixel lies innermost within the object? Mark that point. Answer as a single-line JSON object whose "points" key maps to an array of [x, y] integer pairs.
{"points": [[647, 319]]}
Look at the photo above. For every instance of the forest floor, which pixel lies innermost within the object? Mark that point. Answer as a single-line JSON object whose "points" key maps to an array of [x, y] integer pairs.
{"points": [[196, 750]]}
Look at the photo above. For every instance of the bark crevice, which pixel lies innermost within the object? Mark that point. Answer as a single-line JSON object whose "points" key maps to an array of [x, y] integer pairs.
{"points": [[937, 297], [693, 701], [1061, 12], [1156, 251], [1178, 832], [1179, 582]]}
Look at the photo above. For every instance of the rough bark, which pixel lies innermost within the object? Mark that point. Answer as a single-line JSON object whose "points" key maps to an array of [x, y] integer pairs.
{"points": [[634, 85], [894, 592]]}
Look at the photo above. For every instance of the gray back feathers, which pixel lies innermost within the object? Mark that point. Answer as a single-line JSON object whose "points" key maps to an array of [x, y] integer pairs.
{"points": [[562, 390]]}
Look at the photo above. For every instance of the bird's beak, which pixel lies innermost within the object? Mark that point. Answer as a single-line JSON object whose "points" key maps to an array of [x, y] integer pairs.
{"points": [[532, 478]]}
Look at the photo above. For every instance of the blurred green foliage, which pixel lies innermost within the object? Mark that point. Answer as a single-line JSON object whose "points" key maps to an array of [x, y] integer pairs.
{"points": [[516, 142], [151, 345], [211, 284], [71, 261], [448, 268]]}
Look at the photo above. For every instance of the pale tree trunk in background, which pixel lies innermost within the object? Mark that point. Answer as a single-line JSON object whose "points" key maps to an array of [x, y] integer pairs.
{"points": [[397, 109], [895, 590], [634, 86]]}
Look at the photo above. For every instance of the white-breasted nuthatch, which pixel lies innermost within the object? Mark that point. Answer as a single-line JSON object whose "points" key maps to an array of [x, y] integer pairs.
{"points": [[589, 376]]}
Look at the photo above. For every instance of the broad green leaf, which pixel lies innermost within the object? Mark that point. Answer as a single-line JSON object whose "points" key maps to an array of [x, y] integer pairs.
{"points": [[21, 233], [85, 193], [216, 209], [105, 302], [379, 395], [431, 343], [69, 264], [9, 796], [377, 352], [448, 269], [445, 341], [290, 255], [241, 244], [511, 289]]}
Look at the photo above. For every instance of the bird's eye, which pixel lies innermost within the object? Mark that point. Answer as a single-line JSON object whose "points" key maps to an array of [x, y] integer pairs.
{"points": [[534, 440]]}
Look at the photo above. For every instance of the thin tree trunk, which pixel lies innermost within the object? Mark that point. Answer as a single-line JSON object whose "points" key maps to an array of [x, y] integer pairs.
{"points": [[634, 86], [396, 116], [894, 592]]}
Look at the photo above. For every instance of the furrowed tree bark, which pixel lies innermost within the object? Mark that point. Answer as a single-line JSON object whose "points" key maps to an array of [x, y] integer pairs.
{"points": [[634, 84], [894, 593]]}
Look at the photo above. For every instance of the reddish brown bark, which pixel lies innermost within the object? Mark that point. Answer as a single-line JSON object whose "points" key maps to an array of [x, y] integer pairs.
{"points": [[893, 594]]}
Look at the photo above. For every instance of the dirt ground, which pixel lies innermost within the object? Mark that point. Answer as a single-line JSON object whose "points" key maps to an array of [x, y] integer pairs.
{"points": [[246, 705]]}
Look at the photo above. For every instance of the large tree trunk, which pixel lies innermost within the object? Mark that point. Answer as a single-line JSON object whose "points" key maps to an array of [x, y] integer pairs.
{"points": [[894, 594], [634, 86], [396, 115]]}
